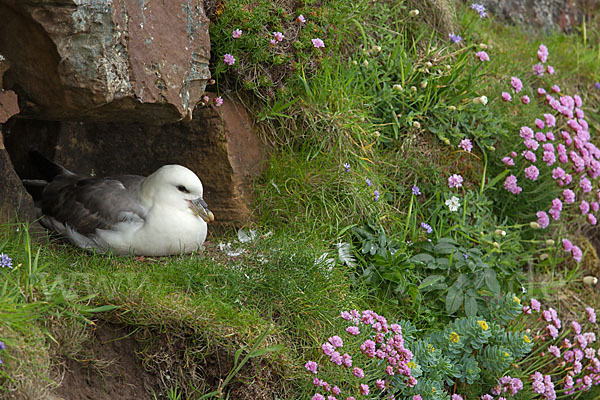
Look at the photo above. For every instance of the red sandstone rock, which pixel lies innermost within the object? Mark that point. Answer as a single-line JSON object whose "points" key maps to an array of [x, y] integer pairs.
{"points": [[104, 60]]}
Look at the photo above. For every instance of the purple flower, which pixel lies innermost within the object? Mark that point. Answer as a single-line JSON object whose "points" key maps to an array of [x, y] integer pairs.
{"points": [[597, 85], [5, 261], [466, 145], [482, 55], [555, 351], [318, 396], [550, 69], [237, 34], [480, 8], [525, 99], [218, 101], [301, 19], [368, 182], [416, 191], [278, 36], [567, 245], [346, 167], [336, 341], [427, 227], [228, 59], [538, 69], [364, 389], [456, 397], [506, 96], [555, 88], [569, 196], [375, 195], [311, 366], [353, 330], [317, 43], [359, 373], [454, 38], [552, 331], [455, 181], [516, 84]]}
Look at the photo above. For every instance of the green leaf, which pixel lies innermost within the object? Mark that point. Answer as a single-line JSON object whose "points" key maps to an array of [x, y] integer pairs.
{"points": [[454, 299], [470, 306], [491, 281], [107, 307], [423, 258], [430, 280], [265, 350], [444, 248]]}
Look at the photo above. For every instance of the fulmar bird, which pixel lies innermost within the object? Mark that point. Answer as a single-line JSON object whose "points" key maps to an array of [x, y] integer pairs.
{"points": [[158, 215]]}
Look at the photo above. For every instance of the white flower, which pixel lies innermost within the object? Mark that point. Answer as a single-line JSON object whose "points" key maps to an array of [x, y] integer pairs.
{"points": [[413, 13], [453, 203], [397, 87]]}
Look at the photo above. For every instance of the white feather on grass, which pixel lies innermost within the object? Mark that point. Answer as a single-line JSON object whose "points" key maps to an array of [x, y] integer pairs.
{"points": [[345, 254]]}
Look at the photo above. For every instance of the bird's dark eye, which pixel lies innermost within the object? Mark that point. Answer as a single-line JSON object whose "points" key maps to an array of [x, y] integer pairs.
{"points": [[183, 189]]}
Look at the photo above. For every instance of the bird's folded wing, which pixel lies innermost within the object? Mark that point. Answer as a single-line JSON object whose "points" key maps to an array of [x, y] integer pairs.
{"points": [[87, 204]]}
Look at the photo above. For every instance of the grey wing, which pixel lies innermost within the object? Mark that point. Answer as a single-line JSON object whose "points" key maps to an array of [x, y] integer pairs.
{"points": [[87, 204]]}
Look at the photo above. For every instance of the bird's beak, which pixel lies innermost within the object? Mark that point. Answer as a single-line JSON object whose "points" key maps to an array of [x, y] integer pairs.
{"points": [[200, 208]]}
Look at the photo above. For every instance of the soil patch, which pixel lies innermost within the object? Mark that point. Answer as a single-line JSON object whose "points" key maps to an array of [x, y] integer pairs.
{"points": [[109, 369]]}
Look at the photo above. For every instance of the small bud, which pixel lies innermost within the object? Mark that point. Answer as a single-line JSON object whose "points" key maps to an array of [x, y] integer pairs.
{"points": [[376, 49], [534, 225], [423, 84], [428, 64], [397, 87], [446, 141], [413, 88], [354, 62], [549, 242], [366, 63], [448, 67], [452, 108], [500, 232], [483, 100], [377, 133], [416, 125], [590, 280], [413, 13], [496, 245], [483, 46], [544, 256]]}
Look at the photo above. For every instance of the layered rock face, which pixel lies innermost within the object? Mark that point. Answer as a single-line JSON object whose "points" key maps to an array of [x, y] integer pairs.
{"points": [[109, 87]]}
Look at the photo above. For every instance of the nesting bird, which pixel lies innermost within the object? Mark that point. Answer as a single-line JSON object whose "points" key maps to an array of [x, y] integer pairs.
{"points": [[158, 215]]}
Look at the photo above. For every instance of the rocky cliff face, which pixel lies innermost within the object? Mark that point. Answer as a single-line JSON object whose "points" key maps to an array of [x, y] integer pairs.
{"points": [[543, 15], [110, 87]]}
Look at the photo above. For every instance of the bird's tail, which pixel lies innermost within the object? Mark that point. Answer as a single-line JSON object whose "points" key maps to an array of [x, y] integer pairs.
{"points": [[48, 169]]}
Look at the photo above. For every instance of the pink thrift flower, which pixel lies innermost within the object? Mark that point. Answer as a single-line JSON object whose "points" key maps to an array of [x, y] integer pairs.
{"points": [[555, 88], [525, 99], [336, 341], [466, 145], [301, 19], [336, 390], [228, 59], [317, 43], [311, 366], [567, 245], [576, 327], [538, 69], [555, 351], [543, 219], [535, 305], [506, 96], [550, 135], [539, 123], [455, 181], [591, 313], [550, 69], [513, 154], [532, 172], [595, 206], [273, 42], [346, 360], [529, 156], [359, 373], [554, 213], [237, 34], [456, 397], [577, 253], [542, 53], [557, 204], [569, 196], [584, 207], [327, 348], [516, 84], [526, 133], [552, 331], [364, 389], [550, 120], [508, 161], [318, 396], [219, 101], [278, 36], [353, 330], [417, 397], [541, 91], [380, 383], [482, 55]]}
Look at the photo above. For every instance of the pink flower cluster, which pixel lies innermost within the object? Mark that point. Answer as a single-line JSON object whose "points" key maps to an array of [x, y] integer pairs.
{"points": [[569, 155], [455, 181], [539, 68], [384, 342], [573, 360]]}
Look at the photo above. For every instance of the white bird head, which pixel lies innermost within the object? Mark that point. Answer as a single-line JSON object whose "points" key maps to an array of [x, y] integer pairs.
{"points": [[179, 187]]}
